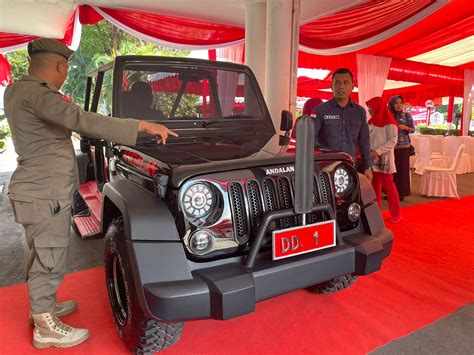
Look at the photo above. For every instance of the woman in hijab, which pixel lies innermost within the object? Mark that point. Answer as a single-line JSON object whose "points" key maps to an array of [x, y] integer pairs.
{"points": [[308, 109], [402, 149], [310, 105], [383, 137]]}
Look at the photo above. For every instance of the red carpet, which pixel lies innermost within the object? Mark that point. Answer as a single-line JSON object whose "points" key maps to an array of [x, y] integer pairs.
{"points": [[428, 276]]}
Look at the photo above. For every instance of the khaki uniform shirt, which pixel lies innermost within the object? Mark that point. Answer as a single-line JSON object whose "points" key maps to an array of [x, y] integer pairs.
{"points": [[41, 122]]}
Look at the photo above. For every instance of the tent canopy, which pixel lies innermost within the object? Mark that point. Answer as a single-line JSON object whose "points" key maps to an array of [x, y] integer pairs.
{"points": [[331, 33]]}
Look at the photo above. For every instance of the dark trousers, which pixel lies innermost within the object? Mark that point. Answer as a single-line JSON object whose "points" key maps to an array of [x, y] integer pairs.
{"points": [[402, 177]]}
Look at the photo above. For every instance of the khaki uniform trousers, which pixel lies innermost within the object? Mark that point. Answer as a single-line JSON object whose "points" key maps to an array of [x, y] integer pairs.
{"points": [[47, 228]]}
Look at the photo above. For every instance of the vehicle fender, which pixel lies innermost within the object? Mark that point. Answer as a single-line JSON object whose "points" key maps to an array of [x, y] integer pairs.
{"points": [[372, 219], [367, 192], [145, 216]]}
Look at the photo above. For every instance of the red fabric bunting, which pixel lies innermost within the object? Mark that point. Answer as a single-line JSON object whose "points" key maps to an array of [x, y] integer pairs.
{"points": [[172, 84], [405, 70], [424, 36], [417, 95], [435, 39], [88, 16], [358, 23], [453, 22], [8, 40], [5, 72], [176, 29]]}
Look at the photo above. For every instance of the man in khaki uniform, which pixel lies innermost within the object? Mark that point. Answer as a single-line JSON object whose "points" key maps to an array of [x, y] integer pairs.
{"points": [[41, 122]]}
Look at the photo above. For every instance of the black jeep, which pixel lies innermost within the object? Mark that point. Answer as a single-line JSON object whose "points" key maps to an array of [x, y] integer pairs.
{"points": [[210, 224]]}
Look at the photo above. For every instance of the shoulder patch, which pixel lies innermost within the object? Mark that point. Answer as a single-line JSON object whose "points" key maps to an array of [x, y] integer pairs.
{"points": [[65, 98]]}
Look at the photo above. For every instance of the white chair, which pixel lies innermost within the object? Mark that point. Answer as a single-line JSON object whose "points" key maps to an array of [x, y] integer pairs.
{"points": [[469, 150], [441, 181], [450, 148], [425, 158], [436, 145]]}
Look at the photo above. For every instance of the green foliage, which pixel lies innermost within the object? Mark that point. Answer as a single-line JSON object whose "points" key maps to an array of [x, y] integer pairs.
{"points": [[444, 109], [100, 43], [4, 132], [438, 131], [19, 63], [187, 106]]}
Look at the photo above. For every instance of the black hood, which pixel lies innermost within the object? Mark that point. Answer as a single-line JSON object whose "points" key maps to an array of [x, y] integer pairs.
{"points": [[187, 156]]}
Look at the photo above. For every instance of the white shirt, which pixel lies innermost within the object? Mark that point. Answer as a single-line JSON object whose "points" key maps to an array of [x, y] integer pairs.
{"points": [[383, 140]]}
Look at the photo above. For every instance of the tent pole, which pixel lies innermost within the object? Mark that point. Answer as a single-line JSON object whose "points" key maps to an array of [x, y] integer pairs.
{"points": [[255, 36], [278, 58], [449, 119], [294, 55]]}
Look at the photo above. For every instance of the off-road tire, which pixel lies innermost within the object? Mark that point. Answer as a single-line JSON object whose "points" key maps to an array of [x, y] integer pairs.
{"points": [[140, 333], [332, 286]]}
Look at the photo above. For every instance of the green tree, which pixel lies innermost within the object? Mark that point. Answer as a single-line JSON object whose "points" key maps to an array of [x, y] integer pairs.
{"points": [[18, 63], [4, 132], [100, 43]]}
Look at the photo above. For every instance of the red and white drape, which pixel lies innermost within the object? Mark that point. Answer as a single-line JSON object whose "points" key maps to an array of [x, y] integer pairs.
{"points": [[363, 26], [173, 31]]}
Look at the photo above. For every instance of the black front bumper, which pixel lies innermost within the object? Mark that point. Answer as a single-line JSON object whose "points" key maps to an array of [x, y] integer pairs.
{"points": [[231, 290]]}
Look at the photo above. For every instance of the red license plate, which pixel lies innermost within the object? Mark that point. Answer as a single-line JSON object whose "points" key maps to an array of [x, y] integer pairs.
{"points": [[303, 239]]}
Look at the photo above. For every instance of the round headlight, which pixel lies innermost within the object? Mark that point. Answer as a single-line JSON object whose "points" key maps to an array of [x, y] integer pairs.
{"points": [[198, 200], [353, 212], [342, 180], [201, 242]]}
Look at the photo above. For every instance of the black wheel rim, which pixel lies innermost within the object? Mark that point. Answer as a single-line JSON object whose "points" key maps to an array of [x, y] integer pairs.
{"points": [[117, 289]]}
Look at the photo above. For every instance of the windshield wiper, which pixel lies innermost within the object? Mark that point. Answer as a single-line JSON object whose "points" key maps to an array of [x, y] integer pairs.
{"points": [[209, 123], [238, 116], [153, 141]]}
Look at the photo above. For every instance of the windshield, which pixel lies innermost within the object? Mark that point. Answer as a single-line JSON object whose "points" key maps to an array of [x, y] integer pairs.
{"points": [[189, 93]]}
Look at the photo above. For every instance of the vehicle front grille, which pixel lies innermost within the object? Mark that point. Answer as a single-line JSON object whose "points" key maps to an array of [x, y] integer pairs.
{"points": [[252, 200], [239, 214]]}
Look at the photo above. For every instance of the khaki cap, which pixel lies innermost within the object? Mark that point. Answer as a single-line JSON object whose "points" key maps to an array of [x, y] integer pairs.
{"points": [[48, 45]]}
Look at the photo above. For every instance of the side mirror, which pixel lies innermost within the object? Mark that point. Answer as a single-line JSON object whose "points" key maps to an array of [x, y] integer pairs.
{"points": [[286, 123]]}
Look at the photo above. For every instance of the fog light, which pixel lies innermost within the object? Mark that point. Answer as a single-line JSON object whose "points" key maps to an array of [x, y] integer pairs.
{"points": [[354, 212], [200, 242]]}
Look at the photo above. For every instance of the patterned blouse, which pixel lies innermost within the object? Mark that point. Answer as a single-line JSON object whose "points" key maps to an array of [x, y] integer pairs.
{"points": [[405, 119]]}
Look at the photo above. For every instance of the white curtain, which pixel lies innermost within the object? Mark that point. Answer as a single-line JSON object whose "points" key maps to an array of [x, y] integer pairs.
{"points": [[232, 54], [227, 81], [468, 100], [372, 72]]}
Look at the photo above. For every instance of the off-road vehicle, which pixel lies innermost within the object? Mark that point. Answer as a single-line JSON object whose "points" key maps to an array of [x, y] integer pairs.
{"points": [[209, 224]]}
